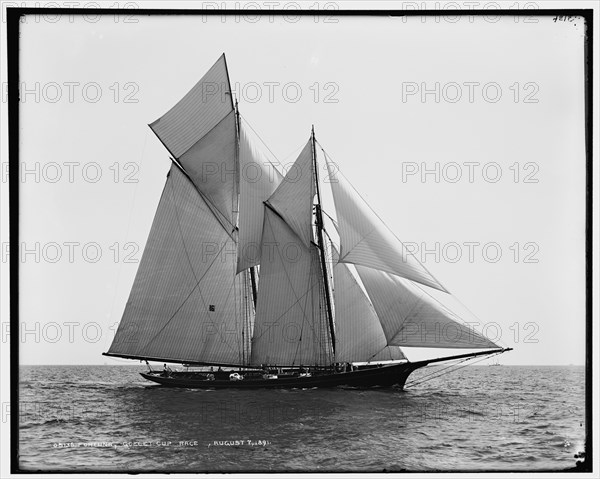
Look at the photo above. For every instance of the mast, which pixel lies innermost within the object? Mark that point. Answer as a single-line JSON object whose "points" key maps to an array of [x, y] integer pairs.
{"points": [[245, 325], [238, 129], [319, 223]]}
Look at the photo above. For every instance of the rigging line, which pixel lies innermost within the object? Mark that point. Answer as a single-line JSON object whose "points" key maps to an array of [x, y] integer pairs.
{"points": [[435, 372], [237, 315], [248, 317], [316, 333], [455, 317], [299, 342], [135, 189], [383, 222], [438, 372], [259, 137], [279, 162], [381, 350], [500, 341], [429, 378], [331, 218]]}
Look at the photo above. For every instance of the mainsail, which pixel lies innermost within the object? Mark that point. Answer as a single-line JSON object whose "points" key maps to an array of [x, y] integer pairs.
{"points": [[226, 215], [290, 311]]}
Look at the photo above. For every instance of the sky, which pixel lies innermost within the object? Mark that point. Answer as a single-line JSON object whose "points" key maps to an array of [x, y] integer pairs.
{"points": [[466, 136]]}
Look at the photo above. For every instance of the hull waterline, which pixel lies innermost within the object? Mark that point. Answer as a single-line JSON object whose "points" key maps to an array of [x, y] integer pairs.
{"points": [[385, 376], [388, 375]]}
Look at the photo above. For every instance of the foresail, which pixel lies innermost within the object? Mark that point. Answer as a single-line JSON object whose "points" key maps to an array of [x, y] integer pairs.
{"points": [[411, 317], [186, 303], [358, 332], [258, 180], [293, 198], [200, 133], [291, 322], [365, 240]]}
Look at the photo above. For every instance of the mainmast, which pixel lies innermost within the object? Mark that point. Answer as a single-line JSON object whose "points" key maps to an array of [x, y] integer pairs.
{"points": [[238, 129], [245, 325], [319, 223]]}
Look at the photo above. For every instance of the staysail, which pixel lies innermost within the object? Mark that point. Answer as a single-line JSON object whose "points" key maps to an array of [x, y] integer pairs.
{"points": [[365, 240], [258, 180], [411, 317], [185, 303]]}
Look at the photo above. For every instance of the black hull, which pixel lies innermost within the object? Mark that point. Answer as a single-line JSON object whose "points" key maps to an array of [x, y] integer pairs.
{"points": [[389, 375], [385, 376]]}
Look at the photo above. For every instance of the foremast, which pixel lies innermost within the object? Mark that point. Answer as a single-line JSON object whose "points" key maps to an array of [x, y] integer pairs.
{"points": [[321, 244]]}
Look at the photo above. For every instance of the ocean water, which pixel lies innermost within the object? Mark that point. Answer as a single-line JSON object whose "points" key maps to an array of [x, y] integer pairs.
{"points": [[108, 418]]}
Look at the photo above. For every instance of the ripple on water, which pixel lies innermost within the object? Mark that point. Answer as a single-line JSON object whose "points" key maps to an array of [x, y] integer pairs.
{"points": [[438, 426]]}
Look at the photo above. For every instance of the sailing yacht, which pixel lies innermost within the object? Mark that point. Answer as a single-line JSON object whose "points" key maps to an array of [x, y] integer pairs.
{"points": [[240, 271]]}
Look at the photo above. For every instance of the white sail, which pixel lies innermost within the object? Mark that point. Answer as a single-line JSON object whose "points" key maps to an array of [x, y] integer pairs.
{"points": [[293, 198], [200, 133], [411, 317], [365, 240], [186, 303], [389, 353], [258, 180], [291, 322], [211, 165], [358, 332], [198, 112]]}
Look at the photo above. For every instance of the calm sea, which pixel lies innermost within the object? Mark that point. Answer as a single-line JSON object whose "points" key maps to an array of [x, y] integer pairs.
{"points": [[98, 418]]}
